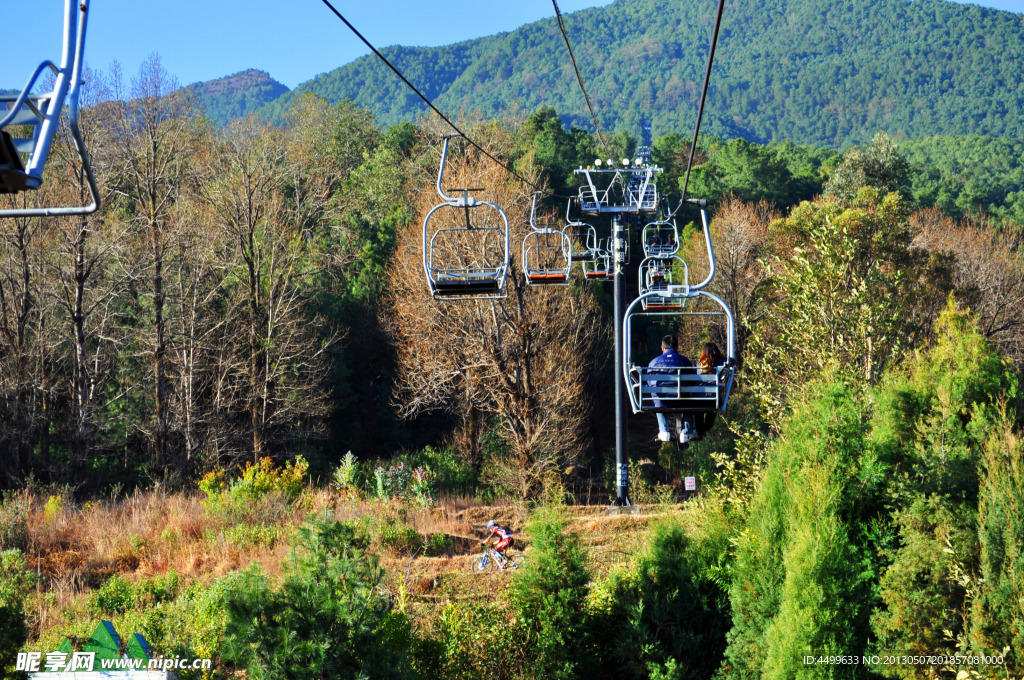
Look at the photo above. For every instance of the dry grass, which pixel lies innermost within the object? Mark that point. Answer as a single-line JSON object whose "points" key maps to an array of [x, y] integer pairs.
{"points": [[76, 547]]}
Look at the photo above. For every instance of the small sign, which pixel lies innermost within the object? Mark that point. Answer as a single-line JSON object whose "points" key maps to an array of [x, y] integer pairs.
{"points": [[690, 483]]}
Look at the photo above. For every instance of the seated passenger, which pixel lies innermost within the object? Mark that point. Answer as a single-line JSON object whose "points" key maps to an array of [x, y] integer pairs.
{"points": [[671, 358], [710, 358]]}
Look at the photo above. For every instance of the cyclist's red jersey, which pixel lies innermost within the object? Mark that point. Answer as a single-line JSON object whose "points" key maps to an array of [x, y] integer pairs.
{"points": [[504, 537]]}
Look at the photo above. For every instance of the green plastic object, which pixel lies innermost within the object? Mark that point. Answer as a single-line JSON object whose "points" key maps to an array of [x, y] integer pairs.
{"points": [[104, 641], [138, 648], [107, 644]]}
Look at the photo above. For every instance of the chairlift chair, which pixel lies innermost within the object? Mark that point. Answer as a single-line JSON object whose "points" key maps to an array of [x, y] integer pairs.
{"points": [[684, 389], [660, 239], [657, 275], [599, 268], [582, 238], [23, 158], [547, 254], [469, 261]]}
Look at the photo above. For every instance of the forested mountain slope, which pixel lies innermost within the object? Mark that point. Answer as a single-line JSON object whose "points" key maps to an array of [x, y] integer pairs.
{"points": [[237, 95], [817, 72]]}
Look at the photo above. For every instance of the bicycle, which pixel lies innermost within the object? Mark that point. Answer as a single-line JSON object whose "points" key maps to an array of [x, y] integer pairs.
{"points": [[491, 560]]}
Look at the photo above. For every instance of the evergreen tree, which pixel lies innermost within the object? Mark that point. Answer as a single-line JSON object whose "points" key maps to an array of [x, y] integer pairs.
{"points": [[798, 584], [550, 596], [327, 620]]}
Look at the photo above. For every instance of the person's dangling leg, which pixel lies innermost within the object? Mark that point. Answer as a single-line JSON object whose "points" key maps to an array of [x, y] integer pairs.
{"points": [[663, 434], [686, 429]]}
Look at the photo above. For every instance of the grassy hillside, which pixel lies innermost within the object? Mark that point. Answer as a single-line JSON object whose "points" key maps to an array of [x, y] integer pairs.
{"points": [[168, 547], [825, 73]]}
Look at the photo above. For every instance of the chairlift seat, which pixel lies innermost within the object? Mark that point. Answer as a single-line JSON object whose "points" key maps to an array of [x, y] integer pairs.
{"points": [[454, 286], [546, 277], [586, 255]]}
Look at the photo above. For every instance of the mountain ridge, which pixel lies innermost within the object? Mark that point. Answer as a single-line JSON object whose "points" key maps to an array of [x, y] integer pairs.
{"points": [[236, 95], [828, 74]]}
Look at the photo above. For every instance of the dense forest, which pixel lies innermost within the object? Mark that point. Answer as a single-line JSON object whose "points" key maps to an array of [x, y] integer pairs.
{"points": [[814, 73], [238, 354]]}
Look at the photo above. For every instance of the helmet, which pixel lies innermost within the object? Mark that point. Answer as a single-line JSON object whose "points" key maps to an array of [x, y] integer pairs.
{"points": [[491, 523]]}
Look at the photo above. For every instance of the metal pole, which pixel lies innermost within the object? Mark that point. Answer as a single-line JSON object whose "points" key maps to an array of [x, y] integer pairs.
{"points": [[621, 454]]}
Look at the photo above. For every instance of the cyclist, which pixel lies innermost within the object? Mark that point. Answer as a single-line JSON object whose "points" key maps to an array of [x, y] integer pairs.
{"points": [[502, 537]]}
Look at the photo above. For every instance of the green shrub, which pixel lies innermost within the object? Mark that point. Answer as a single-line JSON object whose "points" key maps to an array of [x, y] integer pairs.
{"points": [[54, 504], [115, 596], [15, 582], [642, 491], [399, 538], [248, 536], [345, 475], [667, 616], [241, 496], [14, 509], [448, 472], [436, 544], [160, 588], [462, 645], [327, 619], [192, 625]]}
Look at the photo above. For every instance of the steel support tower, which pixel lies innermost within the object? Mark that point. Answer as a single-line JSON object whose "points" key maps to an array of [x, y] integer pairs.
{"points": [[629, 192]]}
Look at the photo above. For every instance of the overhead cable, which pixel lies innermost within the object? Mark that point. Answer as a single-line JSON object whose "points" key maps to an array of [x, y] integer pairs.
{"points": [[579, 78], [437, 110], [700, 109]]}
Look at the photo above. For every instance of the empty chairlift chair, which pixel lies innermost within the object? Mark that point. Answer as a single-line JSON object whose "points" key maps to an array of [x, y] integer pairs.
{"points": [[547, 254], [582, 238], [678, 390], [466, 251], [599, 268], [23, 155]]}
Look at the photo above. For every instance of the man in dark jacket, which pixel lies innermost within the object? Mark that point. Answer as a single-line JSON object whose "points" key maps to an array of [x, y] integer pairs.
{"points": [[671, 358]]}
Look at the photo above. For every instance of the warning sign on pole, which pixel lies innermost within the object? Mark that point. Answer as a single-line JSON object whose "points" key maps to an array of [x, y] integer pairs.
{"points": [[690, 483]]}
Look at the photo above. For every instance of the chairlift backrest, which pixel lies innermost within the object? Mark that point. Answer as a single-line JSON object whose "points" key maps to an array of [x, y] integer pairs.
{"points": [[600, 267], [659, 275], [23, 159]]}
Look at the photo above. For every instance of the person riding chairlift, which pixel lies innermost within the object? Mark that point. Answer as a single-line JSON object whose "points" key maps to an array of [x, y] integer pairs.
{"points": [[710, 359], [671, 358]]}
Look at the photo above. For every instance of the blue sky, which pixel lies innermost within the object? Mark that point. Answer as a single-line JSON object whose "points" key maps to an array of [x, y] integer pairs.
{"points": [[293, 41]]}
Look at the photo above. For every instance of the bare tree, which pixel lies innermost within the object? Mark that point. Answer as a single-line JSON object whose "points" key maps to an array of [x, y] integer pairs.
{"points": [[278, 377], [525, 358], [80, 251], [152, 136], [988, 273], [739, 232], [19, 299]]}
